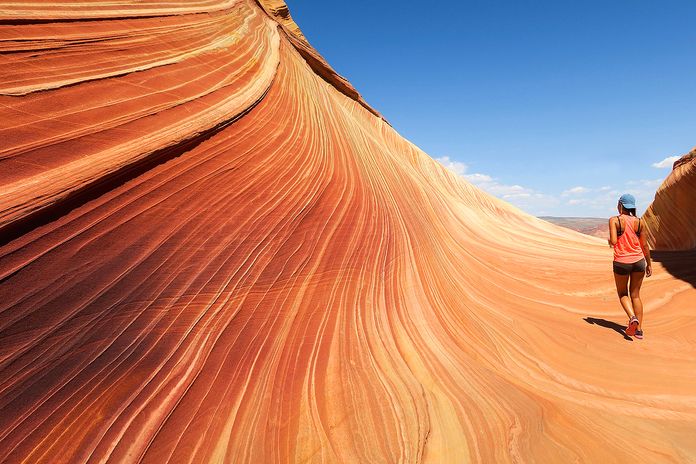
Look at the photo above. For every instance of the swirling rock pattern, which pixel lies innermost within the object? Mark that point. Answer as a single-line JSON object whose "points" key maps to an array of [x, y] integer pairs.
{"points": [[671, 218], [215, 251]]}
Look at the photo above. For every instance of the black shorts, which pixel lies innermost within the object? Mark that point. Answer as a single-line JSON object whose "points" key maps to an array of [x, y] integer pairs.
{"points": [[626, 269]]}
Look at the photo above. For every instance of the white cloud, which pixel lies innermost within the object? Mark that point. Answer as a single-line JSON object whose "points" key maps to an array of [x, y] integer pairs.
{"points": [[456, 167], [502, 189], [665, 163], [478, 178], [575, 191], [575, 201], [649, 183], [510, 196], [524, 198], [602, 201]]}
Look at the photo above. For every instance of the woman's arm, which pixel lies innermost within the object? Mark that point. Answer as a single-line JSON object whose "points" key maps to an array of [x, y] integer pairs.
{"points": [[646, 251], [612, 232]]}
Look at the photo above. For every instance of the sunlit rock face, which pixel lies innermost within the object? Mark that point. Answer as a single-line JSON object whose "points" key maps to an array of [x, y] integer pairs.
{"points": [[213, 250], [671, 218]]}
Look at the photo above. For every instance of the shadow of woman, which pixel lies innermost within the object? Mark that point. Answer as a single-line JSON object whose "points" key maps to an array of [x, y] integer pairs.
{"points": [[620, 329]]}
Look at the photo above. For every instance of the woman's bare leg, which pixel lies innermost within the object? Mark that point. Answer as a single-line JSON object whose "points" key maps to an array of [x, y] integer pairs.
{"points": [[636, 281], [622, 291]]}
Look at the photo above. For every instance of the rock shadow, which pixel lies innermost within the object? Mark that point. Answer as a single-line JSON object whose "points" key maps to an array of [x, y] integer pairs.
{"points": [[681, 264]]}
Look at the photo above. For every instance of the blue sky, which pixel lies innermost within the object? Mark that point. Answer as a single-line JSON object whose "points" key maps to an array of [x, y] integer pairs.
{"points": [[555, 106]]}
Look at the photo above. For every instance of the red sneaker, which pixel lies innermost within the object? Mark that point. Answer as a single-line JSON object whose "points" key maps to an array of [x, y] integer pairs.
{"points": [[632, 326]]}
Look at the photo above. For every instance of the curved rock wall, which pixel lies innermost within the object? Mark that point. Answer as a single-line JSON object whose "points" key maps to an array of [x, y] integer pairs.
{"points": [[214, 251], [671, 218]]}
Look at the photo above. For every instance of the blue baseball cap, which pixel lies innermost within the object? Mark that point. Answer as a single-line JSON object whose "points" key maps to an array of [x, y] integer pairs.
{"points": [[628, 201]]}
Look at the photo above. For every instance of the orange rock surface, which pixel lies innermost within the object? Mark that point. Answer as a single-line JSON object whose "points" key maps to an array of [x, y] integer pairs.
{"points": [[671, 218], [213, 250]]}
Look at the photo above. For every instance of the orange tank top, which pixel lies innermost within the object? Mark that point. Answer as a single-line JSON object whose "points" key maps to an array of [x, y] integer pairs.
{"points": [[627, 249]]}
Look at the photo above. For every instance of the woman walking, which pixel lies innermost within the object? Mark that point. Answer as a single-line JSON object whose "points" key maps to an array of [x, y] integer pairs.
{"points": [[631, 261]]}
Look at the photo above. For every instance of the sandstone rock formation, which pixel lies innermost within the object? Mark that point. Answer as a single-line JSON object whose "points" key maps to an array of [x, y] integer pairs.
{"points": [[671, 218], [213, 250]]}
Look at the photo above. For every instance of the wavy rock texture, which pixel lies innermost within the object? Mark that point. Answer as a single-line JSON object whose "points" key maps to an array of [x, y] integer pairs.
{"points": [[671, 218], [214, 250]]}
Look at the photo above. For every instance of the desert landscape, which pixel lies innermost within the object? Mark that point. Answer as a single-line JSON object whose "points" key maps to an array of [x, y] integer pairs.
{"points": [[215, 250], [596, 227]]}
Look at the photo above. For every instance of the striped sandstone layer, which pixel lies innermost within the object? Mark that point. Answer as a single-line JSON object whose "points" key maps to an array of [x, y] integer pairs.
{"points": [[213, 250], [671, 218]]}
